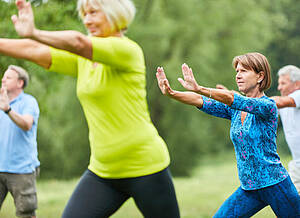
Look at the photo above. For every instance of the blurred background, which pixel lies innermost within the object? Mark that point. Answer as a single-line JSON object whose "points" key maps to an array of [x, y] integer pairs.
{"points": [[204, 34]]}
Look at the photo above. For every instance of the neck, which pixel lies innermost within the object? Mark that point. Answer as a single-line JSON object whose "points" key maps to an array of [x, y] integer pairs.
{"points": [[13, 94], [255, 94]]}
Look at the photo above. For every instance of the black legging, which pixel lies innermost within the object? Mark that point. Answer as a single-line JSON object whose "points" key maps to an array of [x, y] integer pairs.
{"points": [[95, 197]]}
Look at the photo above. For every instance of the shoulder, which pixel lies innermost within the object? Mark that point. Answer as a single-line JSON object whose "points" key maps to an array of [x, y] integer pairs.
{"points": [[29, 99]]}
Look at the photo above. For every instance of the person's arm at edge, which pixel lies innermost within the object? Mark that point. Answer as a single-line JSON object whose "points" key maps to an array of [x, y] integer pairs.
{"points": [[284, 101]]}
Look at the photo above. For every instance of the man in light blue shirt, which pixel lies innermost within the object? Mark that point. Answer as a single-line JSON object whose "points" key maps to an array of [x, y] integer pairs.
{"points": [[19, 113]]}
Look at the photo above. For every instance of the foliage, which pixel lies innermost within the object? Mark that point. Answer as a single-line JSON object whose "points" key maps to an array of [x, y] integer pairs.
{"points": [[204, 34]]}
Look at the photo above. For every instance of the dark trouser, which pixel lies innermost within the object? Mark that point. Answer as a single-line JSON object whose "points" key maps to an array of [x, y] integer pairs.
{"points": [[282, 197], [23, 190], [95, 197]]}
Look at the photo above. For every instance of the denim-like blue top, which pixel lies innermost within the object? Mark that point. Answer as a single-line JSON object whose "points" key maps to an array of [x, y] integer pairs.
{"points": [[254, 141], [18, 148]]}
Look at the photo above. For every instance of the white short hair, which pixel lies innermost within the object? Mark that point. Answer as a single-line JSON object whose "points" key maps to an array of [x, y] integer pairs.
{"points": [[119, 13], [22, 74], [291, 70]]}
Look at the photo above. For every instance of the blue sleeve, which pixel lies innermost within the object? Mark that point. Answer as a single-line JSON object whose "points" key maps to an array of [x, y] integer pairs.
{"points": [[263, 107], [216, 108], [31, 107]]}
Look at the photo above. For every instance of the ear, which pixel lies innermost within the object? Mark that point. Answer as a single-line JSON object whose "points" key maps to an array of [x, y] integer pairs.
{"points": [[260, 76], [20, 83]]}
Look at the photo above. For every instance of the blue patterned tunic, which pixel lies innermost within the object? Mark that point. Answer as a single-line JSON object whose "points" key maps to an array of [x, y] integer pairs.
{"points": [[254, 141]]}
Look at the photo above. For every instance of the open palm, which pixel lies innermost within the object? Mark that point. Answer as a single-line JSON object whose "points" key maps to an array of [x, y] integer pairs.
{"points": [[163, 82], [24, 22], [4, 101], [188, 81]]}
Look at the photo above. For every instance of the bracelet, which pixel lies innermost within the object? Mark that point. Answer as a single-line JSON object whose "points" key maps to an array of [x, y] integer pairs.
{"points": [[209, 92], [8, 110]]}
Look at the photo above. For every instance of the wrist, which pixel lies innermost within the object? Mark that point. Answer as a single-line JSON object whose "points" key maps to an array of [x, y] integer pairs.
{"points": [[35, 33], [8, 110]]}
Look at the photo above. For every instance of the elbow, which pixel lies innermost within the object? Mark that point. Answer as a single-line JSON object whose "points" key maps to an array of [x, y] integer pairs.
{"points": [[82, 46], [26, 126]]}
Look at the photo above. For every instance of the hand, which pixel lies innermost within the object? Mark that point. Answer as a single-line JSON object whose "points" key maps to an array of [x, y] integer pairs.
{"points": [[24, 23], [220, 86], [163, 82], [4, 101], [188, 80]]}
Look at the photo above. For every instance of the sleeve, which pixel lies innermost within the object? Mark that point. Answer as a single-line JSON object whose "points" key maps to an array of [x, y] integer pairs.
{"points": [[215, 108], [31, 107], [263, 107], [63, 62], [119, 52], [296, 96]]}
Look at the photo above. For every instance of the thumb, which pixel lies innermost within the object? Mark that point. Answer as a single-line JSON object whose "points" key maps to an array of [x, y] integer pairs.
{"points": [[182, 82]]}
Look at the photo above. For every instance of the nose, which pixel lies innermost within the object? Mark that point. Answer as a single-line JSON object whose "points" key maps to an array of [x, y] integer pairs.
{"points": [[87, 20], [279, 87]]}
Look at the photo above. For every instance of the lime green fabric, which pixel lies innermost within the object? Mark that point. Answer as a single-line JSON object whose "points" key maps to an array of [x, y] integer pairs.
{"points": [[124, 142]]}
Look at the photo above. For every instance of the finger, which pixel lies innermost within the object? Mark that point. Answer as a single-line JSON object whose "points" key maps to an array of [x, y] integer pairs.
{"points": [[191, 73], [161, 72], [185, 69], [182, 82], [167, 87]]}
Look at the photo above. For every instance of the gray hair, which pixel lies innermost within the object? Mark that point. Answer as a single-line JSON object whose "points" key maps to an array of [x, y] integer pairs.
{"points": [[119, 13], [22, 74], [291, 70]]}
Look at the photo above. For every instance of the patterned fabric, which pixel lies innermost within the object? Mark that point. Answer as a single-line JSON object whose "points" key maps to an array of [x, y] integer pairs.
{"points": [[254, 141], [282, 197]]}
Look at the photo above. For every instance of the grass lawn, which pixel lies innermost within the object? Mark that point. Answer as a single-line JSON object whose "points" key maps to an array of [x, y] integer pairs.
{"points": [[199, 196]]}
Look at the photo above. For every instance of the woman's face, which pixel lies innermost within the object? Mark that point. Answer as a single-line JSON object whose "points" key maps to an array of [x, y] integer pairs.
{"points": [[246, 80], [96, 22]]}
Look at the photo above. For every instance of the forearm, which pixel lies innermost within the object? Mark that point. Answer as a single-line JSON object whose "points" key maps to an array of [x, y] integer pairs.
{"points": [[23, 121], [26, 49], [189, 98], [68, 40], [224, 96]]}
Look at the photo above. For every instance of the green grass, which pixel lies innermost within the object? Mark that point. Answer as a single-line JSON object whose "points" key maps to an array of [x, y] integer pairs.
{"points": [[199, 196]]}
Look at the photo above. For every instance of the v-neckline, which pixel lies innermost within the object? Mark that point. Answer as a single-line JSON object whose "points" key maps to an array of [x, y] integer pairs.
{"points": [[243, 115]]}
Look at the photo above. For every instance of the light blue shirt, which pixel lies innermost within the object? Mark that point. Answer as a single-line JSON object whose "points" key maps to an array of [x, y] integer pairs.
{"points": [[254, 141], [18, 148]]}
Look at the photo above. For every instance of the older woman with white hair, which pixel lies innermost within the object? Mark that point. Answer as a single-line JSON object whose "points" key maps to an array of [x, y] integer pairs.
{"points": [[128, 157]]}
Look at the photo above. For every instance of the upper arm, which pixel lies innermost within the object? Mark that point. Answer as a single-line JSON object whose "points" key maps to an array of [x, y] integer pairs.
{"points": [[63, 62], [259, 106], [118, 52], [30, 112], [284, 101]]}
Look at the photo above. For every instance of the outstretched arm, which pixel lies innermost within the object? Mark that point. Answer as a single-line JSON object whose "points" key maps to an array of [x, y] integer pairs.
{"points": [[190, 98], [26, 49], [71, 41], [189, 82], [284, 101]]}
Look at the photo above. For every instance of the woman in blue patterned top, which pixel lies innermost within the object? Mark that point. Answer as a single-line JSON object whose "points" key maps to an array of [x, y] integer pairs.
{"points": [[264, 181]]}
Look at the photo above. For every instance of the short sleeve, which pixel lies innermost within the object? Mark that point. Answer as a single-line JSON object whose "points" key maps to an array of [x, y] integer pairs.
{"points": [[296, 96], [31, 107], [63, 62], [119, 52]]}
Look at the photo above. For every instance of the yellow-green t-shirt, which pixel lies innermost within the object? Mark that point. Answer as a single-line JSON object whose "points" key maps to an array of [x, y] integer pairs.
{"points": [[111, 89]]}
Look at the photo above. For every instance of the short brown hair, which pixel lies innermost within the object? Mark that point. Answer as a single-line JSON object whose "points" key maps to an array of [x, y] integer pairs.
{"points": [[256, 62]]}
